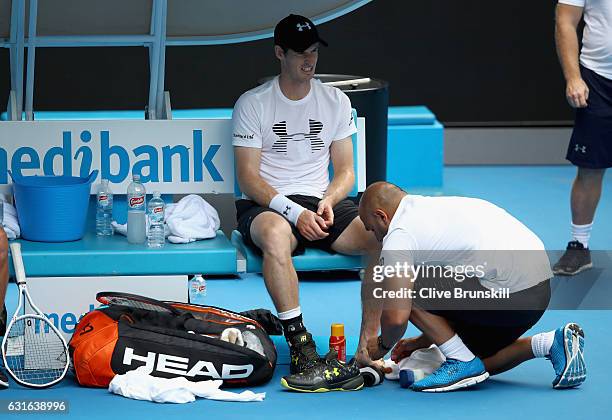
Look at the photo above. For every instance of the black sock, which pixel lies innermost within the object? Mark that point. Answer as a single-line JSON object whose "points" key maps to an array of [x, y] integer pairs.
{"points": [[293, 327]]}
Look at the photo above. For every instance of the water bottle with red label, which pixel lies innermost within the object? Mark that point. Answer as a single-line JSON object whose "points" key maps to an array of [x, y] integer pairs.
{"points": [[136, 200]]}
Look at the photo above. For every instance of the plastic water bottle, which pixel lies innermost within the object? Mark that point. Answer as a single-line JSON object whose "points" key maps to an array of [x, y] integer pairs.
{"points": [[136, 198], [104, 212], [156, 210], [197, 289]]}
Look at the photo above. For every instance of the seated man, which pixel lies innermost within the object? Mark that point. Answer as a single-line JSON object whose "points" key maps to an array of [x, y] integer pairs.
{"points": [[3, 284], [478, 329], [285, 132]]}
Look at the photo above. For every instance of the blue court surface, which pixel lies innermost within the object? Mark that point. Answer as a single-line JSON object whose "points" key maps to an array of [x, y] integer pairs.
{"points": [[536, 195]]}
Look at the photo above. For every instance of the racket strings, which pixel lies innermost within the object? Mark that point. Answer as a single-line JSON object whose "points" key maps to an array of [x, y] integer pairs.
{"points": [[137, 304], [35, 353]]}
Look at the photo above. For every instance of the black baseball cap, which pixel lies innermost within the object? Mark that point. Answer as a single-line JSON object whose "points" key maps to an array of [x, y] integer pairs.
{"points": [[296, 32]]}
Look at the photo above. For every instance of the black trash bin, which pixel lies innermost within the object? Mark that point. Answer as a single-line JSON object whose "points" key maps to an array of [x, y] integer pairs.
{"points": [[370, 97]]}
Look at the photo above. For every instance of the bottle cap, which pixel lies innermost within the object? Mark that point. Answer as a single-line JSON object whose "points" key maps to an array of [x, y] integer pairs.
{"points": [[136, 177], [337, 330], [104, 181], [156, 194]]}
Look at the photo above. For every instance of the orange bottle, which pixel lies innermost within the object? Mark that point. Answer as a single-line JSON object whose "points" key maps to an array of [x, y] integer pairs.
{"points": [[337, 341]]}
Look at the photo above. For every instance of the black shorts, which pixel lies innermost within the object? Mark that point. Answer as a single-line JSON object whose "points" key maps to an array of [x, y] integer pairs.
{"points": [[344, 213], [490, 325], [591, 142]]}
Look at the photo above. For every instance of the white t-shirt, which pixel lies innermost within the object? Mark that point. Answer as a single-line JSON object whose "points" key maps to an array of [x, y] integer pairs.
{"points": [[294, 136], [460, 231], [596, 51]]}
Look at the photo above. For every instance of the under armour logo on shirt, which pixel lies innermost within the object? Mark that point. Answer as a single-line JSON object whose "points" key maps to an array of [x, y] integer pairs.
{"points": [[580, 148], [315, 128], [300, 27], [286, 212]]}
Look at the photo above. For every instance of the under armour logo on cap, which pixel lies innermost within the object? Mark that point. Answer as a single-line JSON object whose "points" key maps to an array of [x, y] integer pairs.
{"points": [[297, 33]]}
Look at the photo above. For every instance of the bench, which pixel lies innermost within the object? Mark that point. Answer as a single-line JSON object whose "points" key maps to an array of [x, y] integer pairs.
{"points": [[114, 256]]}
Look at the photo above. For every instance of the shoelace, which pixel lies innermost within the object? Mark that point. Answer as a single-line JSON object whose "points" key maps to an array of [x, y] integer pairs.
{"points": [[448, 365], [571, 256], [310, 351]]}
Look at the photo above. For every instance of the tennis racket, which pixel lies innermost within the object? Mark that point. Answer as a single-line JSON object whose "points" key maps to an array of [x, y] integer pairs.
{"points": [[34, 352], [135, 301]]}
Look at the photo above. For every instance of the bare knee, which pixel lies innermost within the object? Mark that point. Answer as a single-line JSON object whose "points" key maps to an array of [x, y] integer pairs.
{"points": [[273, 236], [357, 240]]}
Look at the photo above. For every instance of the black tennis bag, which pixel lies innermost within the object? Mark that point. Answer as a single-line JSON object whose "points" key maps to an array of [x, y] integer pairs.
{"points": [[116, 339]]}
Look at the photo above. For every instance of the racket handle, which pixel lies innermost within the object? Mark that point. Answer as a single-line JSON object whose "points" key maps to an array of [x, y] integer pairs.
{"points": [[18, 262]]}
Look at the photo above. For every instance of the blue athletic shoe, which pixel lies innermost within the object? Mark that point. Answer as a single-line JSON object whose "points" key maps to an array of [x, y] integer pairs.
{"points": [[453, 374], [567, 357]]}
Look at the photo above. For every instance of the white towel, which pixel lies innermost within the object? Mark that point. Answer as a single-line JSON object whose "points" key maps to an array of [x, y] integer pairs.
{"points": [[140, 385], [424, 360], [10, 222], [190, 219]]}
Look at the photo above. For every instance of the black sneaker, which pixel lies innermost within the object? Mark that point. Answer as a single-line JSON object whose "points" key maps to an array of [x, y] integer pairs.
{"points": [[3, 379], [576, 258], [303, 352], [328, 374]]}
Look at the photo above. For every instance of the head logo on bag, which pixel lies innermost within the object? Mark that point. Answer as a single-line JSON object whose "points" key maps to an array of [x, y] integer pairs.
{"points": [[167, 363]]}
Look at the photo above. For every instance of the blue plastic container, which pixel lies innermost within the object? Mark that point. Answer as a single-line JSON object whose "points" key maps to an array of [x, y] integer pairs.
{"points": [[52, 208]]}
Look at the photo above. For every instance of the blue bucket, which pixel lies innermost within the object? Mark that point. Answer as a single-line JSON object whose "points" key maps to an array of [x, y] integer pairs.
{"points": [[52, 208]]}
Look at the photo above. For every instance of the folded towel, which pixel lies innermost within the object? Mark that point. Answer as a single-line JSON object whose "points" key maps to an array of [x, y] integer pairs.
{"points": [[140, 385], [10, 222], [190, 219]]}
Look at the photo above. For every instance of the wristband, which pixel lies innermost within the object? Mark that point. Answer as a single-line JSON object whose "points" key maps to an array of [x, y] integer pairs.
{"points": [[290, 210]]}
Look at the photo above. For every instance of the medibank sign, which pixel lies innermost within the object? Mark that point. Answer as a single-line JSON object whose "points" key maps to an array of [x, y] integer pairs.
{"points": [[180, 156]]}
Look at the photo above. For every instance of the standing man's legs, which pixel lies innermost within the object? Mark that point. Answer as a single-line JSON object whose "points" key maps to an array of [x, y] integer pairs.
{"points": [[586, 192], [590, 150], [585, 195]]}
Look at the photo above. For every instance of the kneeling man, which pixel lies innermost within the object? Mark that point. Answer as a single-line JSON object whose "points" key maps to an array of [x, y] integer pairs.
{"points": [[476, 318]]}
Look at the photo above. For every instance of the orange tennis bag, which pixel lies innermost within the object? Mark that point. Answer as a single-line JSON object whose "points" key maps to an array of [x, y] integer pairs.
{"points": [[115, 339]]}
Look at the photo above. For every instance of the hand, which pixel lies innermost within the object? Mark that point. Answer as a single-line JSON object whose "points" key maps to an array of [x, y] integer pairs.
{"points": [[404, 348], [363, 359], [577, 93], [311, 226], [326, 211]]}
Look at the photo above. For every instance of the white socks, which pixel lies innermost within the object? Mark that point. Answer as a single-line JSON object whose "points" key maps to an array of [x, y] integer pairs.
{"points": [[541, 343], [582, 233], [291, 313], [455, 349]]}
